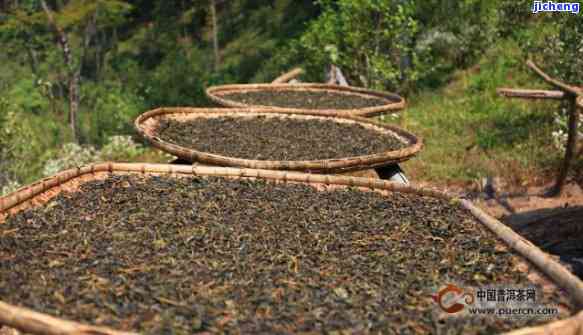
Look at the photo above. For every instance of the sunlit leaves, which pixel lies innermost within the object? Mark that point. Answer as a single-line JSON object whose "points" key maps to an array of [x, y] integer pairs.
{"points": [[367, 39]]}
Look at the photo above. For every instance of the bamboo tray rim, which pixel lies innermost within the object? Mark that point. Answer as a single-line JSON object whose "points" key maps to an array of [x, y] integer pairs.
{"points": [[38, 323], [394, 102], [413, 143]]}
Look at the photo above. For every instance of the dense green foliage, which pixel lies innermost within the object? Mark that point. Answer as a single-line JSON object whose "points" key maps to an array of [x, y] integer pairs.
{"points": [[559, 46], [135, 55], [131, 56], [404, 45]]}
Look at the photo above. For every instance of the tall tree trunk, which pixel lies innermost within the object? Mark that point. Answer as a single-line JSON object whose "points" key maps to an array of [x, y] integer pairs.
{"points": [[73, 73], [213, 10]]}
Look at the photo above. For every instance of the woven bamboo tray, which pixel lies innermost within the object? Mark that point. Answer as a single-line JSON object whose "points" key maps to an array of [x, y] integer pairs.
{"points": [[394, 103], [146, 126], [36, 194]]}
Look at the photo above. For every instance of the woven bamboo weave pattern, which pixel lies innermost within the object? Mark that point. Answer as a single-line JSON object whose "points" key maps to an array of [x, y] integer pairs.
{"points": [[147, 123], [41, 192], [393, 102]]}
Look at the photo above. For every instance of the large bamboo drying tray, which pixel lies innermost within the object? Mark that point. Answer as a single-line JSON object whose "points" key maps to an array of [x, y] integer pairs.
{"points": [[36, 194], [146, 125], [394, 103]]}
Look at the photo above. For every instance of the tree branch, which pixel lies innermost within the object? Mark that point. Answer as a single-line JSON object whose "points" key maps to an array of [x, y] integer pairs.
{"points": [[284, 78], [61, 36], [558, 84]]}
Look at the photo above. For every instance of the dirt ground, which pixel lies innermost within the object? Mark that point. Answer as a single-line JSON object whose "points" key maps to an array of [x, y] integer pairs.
{"points": [[554, 224]]}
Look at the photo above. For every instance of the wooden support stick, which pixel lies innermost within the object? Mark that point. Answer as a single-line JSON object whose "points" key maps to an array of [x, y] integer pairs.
{"points": [[571, 147], [556, 83], [530, 94], [284, 78], [575, 98]]}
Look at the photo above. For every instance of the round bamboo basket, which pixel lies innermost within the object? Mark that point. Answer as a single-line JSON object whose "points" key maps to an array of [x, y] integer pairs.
{"points": [[147, 123], [25, 320], [393, 102]]}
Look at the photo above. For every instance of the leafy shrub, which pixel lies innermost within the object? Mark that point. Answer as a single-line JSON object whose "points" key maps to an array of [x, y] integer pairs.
{"points": [[559, 50], [71, 155], [369, 40], [559, 47], [112, 111], [28, 97], [26, 139], [515, 16], [179, 80], [120, 148], [9, 187], [560, 135], [397, 45]]}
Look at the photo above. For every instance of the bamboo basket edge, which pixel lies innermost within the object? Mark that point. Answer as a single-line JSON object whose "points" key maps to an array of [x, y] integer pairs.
{"points": [[354, 163], [38, 323]]}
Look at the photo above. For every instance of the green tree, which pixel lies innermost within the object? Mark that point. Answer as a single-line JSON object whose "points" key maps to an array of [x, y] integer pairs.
{"points": [[395, 45], [561, 49], [75, 24], [23, 30], [369, 40], [87, 16]]}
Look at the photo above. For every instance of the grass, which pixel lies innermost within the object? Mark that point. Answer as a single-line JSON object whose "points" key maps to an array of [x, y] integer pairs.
{"points": [[470, 132]]}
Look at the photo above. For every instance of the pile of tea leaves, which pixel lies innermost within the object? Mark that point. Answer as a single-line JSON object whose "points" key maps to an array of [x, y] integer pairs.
{"points": [[304, 99], [276, 138], [193, 254]]}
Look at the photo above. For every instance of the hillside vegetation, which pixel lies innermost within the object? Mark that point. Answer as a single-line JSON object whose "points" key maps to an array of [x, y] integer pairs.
{"points": [[60, 109]]}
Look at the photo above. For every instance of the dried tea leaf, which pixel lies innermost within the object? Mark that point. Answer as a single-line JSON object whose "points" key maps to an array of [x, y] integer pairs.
{"points": [[190, 254], [304, 99], [262, 138]]}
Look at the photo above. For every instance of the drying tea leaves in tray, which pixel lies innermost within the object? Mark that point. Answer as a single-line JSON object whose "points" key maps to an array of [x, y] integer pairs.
{"points": [[190, 254], [276, 138], [304, 99]]}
